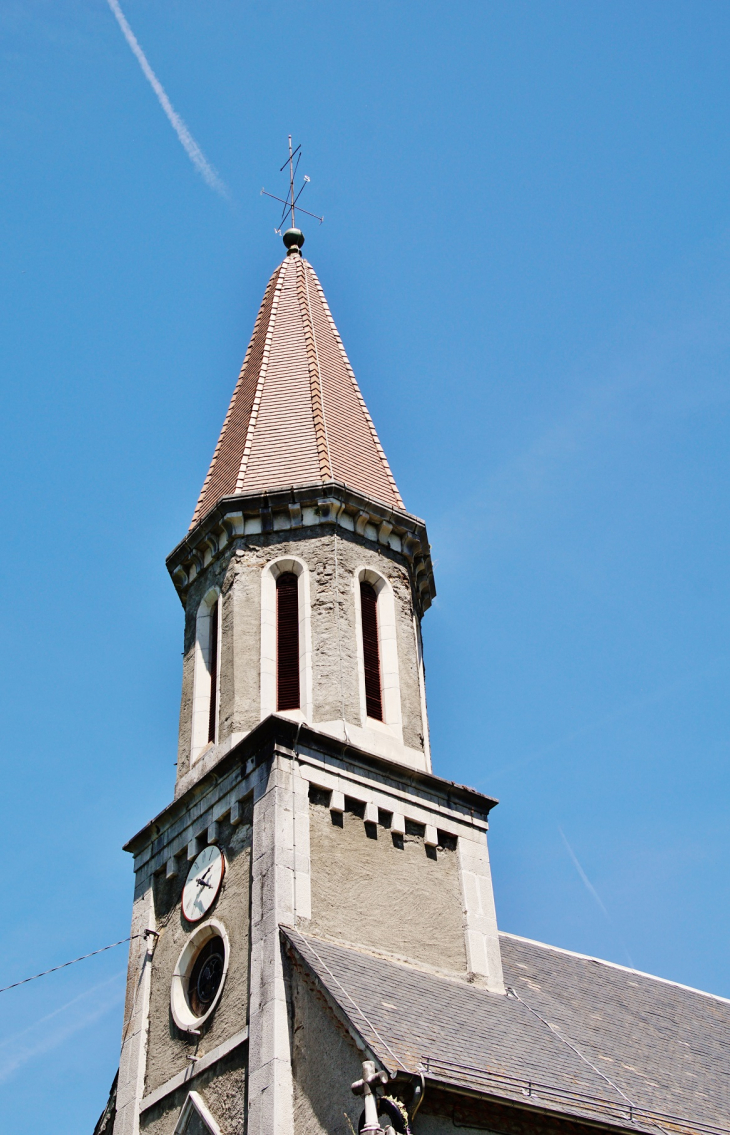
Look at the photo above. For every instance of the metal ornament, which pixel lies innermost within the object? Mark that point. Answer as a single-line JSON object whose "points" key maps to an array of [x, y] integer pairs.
{"points": [[290, 203]]}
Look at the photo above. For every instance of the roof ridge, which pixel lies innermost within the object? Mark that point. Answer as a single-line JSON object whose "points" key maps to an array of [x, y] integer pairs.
{"points": [[358, 392], [232, 402], [297, 414], [315, 372], [615, 965], [261, 377]]}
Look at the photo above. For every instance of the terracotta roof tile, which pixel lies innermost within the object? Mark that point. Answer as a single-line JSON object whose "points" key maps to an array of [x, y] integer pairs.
{"points": [[297, 415]]}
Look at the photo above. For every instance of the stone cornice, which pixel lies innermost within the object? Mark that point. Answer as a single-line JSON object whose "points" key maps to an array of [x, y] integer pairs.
{"points": [[279, 734], [298, 508]]}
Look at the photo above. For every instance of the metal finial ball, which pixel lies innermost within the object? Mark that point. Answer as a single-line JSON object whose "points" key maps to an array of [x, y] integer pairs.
{"points": [[293, 238]]}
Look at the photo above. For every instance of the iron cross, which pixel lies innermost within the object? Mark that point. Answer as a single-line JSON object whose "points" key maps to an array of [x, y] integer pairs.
{"points": [[290, 204]]}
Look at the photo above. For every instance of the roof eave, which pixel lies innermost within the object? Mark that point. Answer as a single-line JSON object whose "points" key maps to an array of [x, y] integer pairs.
{"points": [[297, 507]]}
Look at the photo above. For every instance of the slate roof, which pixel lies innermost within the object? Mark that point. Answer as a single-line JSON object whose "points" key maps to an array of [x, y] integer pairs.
{"points": [[297, 415], [577, 1036]]}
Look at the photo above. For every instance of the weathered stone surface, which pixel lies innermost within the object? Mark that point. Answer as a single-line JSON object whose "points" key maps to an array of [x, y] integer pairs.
{"points": [[168, 1048], [325, 1062], [223, 1088], [396, 899], [214, 577], [332, 557]]}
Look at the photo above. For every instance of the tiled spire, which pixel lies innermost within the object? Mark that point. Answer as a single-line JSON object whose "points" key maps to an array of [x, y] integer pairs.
{"points": [[297, 415]]}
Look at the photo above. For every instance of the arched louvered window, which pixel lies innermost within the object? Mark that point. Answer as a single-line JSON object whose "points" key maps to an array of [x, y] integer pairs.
{"points": [[206, 678], [371, 650], [213, 670], [287, 641]]}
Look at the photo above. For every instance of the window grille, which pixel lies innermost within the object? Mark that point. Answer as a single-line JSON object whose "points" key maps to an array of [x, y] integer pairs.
{"points": [[287, 641], [213, 670], [371, 650]]}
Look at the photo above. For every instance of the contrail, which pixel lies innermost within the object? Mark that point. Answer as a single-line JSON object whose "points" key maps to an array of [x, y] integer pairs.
{"points": [[592, 890], [589, 885], [191, 147]]}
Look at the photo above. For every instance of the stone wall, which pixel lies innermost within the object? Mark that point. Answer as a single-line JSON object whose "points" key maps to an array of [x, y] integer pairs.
{"points": [[373, 888], [408, 882], [223, 1088], [332, 559], [217, 576], [325, 1062], [168, 1048]]}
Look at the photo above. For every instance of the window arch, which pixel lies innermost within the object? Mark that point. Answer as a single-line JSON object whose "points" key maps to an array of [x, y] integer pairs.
{"points": [[206, 679], [379, 681], [286, 651]]}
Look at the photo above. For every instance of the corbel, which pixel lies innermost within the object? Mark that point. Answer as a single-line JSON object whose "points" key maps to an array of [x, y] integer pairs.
{"points": [[361, 520], [180, 577], [212, 543], [384, 531], [295, 515], [233, 524], [431, 838], [329, 508], [411, 545]]}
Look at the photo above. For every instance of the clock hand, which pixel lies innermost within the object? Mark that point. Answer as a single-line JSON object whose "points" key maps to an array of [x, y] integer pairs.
{"points": [[204, 883]]}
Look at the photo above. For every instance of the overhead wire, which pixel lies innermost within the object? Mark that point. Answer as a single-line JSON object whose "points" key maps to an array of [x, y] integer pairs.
{"points": [[354, 1003], [73, 961], [512, 992]]}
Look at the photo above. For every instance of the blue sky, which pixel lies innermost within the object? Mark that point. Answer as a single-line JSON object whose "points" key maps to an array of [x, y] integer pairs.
{"points": [[526, 252]]}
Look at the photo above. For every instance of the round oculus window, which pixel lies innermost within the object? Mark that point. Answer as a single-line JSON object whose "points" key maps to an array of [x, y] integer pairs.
{"points": [[206, 976], [199, 976]]}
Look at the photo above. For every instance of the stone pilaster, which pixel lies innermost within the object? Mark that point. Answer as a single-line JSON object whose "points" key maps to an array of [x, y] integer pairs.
{"points": [[134, 1036], [480, 919], [280, 891]]}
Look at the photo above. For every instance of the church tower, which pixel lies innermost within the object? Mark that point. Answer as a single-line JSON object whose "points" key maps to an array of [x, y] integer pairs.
{"points": [[307, 833]]}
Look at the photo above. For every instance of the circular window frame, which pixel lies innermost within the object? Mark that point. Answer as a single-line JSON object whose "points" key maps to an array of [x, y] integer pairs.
{"points": [[182, 1014]]}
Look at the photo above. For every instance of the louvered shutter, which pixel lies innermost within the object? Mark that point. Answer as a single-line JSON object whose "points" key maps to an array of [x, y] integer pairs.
{"points": [[213, 670], [287, 641], [371, 650]]}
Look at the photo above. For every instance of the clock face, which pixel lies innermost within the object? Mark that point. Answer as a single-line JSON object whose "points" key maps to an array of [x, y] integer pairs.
{"points": [[203, 883]]}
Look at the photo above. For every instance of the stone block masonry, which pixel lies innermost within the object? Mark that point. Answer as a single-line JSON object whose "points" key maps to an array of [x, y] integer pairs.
{"points": [[389, 871], [380, 889], [329, 561]]}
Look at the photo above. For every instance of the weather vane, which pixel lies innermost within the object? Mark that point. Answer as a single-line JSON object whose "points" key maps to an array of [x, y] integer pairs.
{"points": [[290, 204]]}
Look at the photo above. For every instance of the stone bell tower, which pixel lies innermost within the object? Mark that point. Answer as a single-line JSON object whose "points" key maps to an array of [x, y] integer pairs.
{"points": [[305, 798]]}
